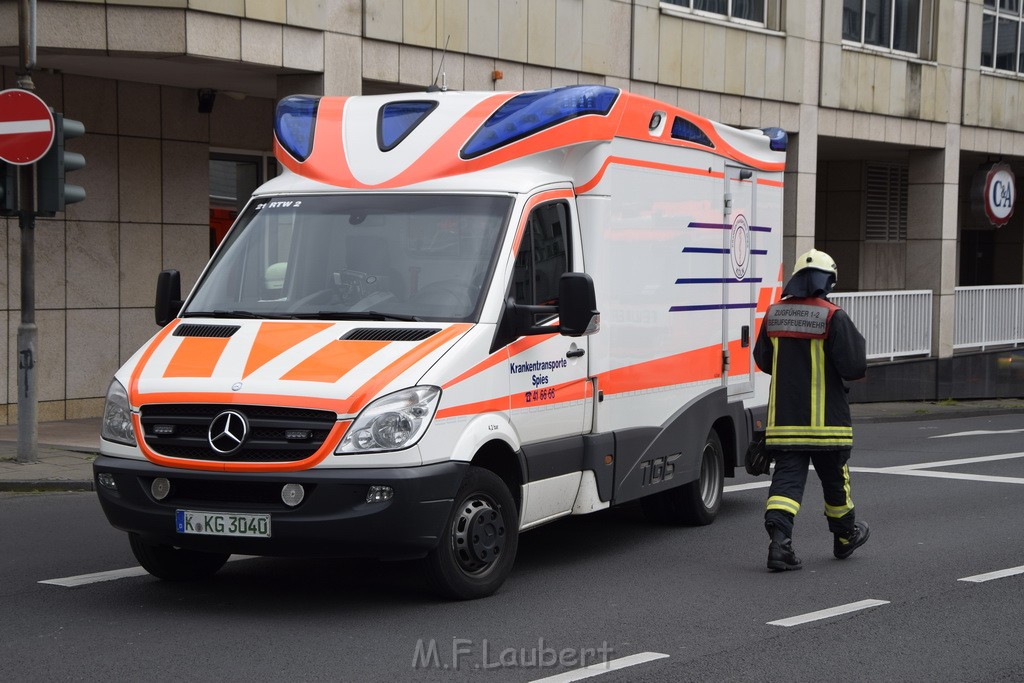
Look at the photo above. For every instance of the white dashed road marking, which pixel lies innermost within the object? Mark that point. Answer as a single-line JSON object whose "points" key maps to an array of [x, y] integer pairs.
{"points": [[113, 575], [602, 668], [1001, 574], [827, 613], [978, 432]]}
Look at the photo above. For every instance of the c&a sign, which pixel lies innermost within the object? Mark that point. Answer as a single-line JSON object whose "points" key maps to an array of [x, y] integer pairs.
{"points": [[995, 193]]}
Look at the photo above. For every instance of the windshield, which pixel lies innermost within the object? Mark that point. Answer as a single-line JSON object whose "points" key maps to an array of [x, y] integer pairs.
{"points": [[378, 257]]}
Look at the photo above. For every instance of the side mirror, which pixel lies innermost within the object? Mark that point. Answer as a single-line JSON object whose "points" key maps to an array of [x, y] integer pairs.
{"points": [[577, 305], [168, 297], [576, 310]]}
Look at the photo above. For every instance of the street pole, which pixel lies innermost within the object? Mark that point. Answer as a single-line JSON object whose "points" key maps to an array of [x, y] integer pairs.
{"points": [[28, 333]]}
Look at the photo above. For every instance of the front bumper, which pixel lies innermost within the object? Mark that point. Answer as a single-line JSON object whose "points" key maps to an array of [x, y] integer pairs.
{"points": [[333, 520]]}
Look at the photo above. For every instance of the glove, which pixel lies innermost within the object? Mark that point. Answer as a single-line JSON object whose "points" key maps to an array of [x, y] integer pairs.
{"points": [[758, 460]]}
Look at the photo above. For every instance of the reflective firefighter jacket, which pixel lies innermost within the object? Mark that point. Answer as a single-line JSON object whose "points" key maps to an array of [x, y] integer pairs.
{"points": [[809, 346]]}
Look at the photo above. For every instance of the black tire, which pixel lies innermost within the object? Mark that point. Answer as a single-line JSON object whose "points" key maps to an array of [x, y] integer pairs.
{"points": [[175, 564], [698, 502], [467, 565]]}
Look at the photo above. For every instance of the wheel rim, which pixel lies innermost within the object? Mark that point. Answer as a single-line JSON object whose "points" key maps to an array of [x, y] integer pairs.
{"points": [[478, 535], [710, 475]]}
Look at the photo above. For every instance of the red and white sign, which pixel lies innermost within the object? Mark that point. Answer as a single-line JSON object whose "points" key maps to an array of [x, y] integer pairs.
{"points": [[1000, 194], [26, 127]]}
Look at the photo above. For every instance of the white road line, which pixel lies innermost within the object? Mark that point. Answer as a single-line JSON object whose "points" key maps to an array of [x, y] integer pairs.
{"points": [[827, 613], [112, 575], [747, 487], [978, 432], [954, 463], [1001, 574], [602, 668], [97, 577], [941, 475]]}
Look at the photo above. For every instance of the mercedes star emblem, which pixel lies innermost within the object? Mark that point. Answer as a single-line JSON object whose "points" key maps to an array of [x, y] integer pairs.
{"points": [[227, 432]]}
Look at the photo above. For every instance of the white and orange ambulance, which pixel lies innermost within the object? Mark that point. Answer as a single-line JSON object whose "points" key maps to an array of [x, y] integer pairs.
{"points": [[397, 352]]}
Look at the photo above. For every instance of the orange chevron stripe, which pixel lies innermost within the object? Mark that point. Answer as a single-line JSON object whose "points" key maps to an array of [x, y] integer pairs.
{"points": [[362, 396], [334, 361], [274, 338], [196, 357], [133, 383]]}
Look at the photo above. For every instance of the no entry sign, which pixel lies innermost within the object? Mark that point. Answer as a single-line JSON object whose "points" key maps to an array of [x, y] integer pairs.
{"points": [[26, 127]]}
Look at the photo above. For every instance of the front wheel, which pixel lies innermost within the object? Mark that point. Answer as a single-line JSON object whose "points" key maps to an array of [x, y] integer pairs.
{"points": [[175, 564], [478, 547], [696, 503]]}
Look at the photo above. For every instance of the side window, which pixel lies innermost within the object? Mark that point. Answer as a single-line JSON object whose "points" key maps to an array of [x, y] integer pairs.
{"points": [[543, 256]]}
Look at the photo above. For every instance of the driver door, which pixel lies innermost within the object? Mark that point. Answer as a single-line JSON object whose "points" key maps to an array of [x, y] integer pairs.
{"points": [[548, 374]]}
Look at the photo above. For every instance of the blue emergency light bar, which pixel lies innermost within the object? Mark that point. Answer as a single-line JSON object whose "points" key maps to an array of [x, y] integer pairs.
{"points": [[294, 124], [397, 119], [684, 129], [532, 112], [778, 139]]}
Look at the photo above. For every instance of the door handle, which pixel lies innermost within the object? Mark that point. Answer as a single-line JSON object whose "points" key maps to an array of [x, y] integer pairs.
{"points": [[574, 353]]}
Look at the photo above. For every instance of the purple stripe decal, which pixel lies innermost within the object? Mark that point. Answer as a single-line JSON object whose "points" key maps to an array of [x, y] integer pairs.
{"points": [[710, 307], [713, 280]]}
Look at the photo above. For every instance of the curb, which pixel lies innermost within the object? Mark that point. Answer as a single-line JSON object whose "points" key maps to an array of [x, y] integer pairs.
{"points": [[924, 415]]}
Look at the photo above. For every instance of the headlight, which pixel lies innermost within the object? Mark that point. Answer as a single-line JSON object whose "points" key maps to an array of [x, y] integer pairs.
{"points": [[117, 416], [392, 422]]}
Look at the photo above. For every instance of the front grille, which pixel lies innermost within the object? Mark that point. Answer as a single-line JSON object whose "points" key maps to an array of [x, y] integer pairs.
{"points": [[266, 441]]}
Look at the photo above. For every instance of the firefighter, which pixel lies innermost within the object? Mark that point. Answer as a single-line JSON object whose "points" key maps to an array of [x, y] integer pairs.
{"points": [[810, 346]]}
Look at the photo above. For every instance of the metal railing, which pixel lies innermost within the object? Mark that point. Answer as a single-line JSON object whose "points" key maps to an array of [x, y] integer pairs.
{"points": [[988, 316], [894, 324]]}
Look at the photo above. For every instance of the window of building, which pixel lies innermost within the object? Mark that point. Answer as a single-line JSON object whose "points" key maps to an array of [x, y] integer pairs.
{"points": [[888, 24], [886, 195], [233, 177], [1001, 35], [765, 13]]}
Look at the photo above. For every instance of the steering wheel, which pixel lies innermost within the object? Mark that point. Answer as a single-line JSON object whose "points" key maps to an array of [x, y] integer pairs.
{"points": [[319, 297], [450, 295]]}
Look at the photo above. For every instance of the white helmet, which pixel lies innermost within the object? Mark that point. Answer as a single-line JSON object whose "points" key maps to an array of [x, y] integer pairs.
{"points": [[817, 260]]}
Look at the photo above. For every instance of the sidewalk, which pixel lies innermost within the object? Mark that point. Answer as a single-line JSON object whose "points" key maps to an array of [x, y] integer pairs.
{"points": [[67, 449]]}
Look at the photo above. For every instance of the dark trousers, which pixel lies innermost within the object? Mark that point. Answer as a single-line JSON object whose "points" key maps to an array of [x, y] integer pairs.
{"points": [[787, 489]]}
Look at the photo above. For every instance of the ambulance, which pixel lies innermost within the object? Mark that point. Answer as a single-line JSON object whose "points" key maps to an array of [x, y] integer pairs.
{"points": [[452, 318]]}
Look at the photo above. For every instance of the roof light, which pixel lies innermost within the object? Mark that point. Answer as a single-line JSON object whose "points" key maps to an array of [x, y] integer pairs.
{"points": [[294, 123], [532, 112], [778, 139], [682, 129], [398, 119]]}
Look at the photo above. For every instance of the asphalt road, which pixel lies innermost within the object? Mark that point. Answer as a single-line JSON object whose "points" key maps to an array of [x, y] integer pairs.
{"points": [[609, 586]]}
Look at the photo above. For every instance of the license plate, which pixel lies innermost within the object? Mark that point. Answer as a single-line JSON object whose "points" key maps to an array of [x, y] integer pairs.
{"points": [[222, 523]]}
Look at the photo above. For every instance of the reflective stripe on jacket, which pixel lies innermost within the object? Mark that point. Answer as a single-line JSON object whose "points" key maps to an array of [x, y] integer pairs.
{"points": [[809, 346]]}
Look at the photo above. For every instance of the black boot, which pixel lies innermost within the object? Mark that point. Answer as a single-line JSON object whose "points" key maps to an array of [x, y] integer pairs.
{"points": [[844, 544], [781, 556]]}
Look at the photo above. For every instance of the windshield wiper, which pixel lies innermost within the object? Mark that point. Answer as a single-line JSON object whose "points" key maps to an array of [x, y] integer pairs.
{"points": [[358, 315], [235, 314]]}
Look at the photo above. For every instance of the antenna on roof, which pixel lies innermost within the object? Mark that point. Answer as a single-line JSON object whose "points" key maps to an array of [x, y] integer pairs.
{"points": [[434, 87]]}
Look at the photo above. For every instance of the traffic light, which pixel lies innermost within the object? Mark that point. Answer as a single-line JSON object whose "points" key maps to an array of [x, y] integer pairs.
{"points": [[53, 193], [8, 189]]}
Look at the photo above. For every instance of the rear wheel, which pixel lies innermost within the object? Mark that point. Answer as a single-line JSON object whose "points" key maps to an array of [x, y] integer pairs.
{"points": [[175, 564], [478, 547], [698, 502]]}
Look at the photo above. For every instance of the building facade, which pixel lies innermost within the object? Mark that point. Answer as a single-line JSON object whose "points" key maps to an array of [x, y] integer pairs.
{"points": [[893, 108]]}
